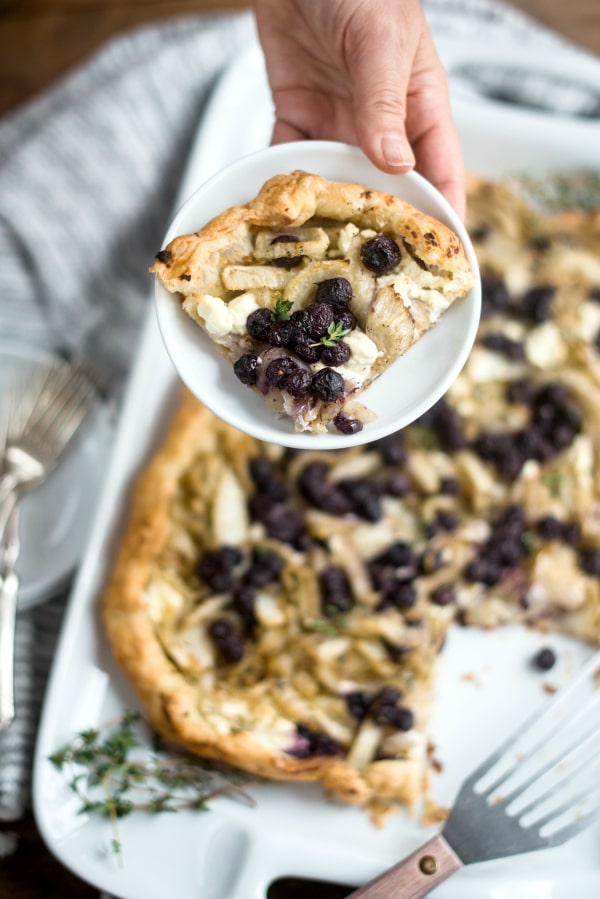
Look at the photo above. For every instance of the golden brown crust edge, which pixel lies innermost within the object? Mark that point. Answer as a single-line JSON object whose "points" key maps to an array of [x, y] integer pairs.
{"points": [[289, 201], [170, 702]]}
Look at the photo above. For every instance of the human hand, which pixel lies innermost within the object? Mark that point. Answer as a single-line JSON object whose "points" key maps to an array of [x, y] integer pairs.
{"points": [[365, 72]]}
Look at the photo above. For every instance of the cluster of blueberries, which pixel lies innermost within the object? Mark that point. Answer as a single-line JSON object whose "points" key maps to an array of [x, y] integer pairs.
{"points": [[554, 422], [534, 306], [313, 334], [383, 708], [219, 569]]}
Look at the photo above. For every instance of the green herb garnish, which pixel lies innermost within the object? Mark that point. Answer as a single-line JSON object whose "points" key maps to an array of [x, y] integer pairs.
{"points": [[530, 541], [552, 480], [428, 438], [281, 313], [335, 332], [115, 771]]}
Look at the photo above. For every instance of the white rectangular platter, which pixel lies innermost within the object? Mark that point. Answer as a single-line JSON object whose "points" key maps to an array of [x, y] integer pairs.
{"points": [[487, 688]]}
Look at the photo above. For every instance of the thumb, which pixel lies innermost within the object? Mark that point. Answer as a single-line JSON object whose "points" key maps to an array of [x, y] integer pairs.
{"points": [[382, 71]]}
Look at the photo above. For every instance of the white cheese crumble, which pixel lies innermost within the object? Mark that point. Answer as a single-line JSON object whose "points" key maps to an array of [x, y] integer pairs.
{"points": [[240, 308], [363, 353], [217, 317], [544, 346]]}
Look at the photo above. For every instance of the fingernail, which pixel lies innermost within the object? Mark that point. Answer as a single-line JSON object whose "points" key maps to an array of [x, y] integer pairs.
{"points": [[396, 151]]}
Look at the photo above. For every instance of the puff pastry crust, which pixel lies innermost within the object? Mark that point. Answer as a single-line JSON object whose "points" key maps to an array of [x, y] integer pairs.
{"points": [[403, 269], [283, 611]]}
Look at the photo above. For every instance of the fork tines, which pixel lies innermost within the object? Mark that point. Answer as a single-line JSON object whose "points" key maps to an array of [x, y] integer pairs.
{"points": [[49, 407], [546, 777]]}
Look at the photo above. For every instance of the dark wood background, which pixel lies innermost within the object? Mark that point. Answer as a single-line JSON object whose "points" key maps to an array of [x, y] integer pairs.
{"points": [[40, 40]]}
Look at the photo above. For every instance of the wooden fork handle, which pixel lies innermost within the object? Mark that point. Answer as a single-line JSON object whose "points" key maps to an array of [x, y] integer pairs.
{"points": [[416, 875]]}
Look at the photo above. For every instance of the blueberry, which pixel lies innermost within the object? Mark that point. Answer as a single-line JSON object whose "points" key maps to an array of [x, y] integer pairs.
{"points": [[397, 484], [279, 368], [315, 743], [392, 448], [262, 471], [345, 319], [536, 303], [494, 293], [245, 369], [265, 567], [545, 659], [499, 343], [297, 383], [258, 323], [521, 392], [589, 561], [328, 385], [216, 567], [333, 581], [401, 595], [549, 528], [318, 317], [317, 490], [243, 599], [448, 486], [346, 425], [284, 523], [380, 254], [398, 554], [305, 350], [226, 640], [358, 703], [282, 333], [335, 355], [444, 595], [336, 291]]}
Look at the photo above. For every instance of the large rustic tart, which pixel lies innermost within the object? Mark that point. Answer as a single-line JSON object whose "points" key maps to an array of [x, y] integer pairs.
{"points": [[335, 279], [284, 610]]}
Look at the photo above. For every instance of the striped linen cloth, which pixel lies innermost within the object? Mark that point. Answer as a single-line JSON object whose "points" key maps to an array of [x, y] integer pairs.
{"points": [[91, 165]]}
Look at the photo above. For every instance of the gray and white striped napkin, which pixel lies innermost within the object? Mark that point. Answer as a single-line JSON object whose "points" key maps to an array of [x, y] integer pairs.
{"points": [[88, 174]]}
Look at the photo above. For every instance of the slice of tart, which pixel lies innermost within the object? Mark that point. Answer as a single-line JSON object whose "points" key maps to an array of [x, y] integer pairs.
{"points": [[313, 289]]}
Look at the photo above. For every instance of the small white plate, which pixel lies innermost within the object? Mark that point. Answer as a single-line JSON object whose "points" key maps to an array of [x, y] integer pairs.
{"points": [[54, 518], [405, 391]]}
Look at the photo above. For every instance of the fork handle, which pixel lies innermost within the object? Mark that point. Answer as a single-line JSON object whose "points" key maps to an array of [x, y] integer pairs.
{"points": [[416, 875], [9, 587]]}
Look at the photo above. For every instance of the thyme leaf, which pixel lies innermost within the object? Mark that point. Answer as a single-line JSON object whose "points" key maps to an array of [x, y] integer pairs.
{"points": [[335, 332], [118, 769], [281, 313]]}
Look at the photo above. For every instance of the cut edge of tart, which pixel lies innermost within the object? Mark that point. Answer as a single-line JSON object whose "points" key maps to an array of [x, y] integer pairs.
{"points": [[313, 288]]}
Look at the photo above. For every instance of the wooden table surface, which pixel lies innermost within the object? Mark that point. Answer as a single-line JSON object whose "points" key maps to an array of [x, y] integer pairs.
{"points": [[40, 40]]}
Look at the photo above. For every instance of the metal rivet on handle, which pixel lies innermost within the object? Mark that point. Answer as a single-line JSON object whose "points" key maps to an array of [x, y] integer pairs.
{"points": [[429, 864]]}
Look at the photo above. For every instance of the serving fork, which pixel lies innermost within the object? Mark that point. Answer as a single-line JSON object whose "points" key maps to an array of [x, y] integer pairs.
{"points": [[41, 413], [537, 790]]}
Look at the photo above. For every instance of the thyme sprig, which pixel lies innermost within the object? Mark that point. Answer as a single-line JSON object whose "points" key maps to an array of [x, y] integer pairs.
{"points": [[281, 312], [116, 770], [335, 333]]}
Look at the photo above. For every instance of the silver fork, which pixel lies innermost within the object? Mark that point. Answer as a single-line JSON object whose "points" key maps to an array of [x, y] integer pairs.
{"points": [[41, 414], [537, 790]]}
